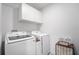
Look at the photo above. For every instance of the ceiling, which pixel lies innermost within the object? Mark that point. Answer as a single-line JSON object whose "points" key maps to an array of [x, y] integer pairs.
{"points": [[38, 6], [14, 5]]}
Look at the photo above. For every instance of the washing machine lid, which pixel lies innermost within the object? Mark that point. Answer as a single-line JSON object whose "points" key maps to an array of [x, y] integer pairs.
{"points": [[38, 33], [17, 36]]}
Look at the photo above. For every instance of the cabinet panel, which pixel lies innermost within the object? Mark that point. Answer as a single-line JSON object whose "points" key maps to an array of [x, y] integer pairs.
{"points": [[30, 14], [30, 47]]}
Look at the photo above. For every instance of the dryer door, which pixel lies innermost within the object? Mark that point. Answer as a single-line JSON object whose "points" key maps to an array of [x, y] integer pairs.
{"points": [[38, 47], [45, 45]]}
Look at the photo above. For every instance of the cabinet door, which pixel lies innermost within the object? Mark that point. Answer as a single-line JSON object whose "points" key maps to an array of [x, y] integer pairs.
{"points": [[30, 47], [30, 14]]}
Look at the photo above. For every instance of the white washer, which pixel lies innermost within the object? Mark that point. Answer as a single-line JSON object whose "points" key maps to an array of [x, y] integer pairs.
{"points": [[42, 43], [19, 43]]}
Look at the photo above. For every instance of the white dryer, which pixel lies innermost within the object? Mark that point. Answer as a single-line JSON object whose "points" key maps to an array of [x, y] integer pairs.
{"points": [[19, 43], [42, 43]]}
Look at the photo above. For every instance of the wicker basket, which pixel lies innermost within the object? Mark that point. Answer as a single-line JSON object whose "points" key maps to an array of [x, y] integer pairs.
{"points": [[64, 48]]}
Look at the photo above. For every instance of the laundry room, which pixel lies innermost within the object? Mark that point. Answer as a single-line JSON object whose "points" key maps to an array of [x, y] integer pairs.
{"points": [[39, 28]]}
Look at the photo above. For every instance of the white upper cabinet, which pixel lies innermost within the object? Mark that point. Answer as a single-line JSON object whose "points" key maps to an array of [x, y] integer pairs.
{"points": [[29, 13]]}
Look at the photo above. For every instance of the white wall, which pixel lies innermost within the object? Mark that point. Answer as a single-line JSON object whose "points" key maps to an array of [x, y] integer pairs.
{"points": [[61, 20], [7, 19], [0, 24], [10, 20]]}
